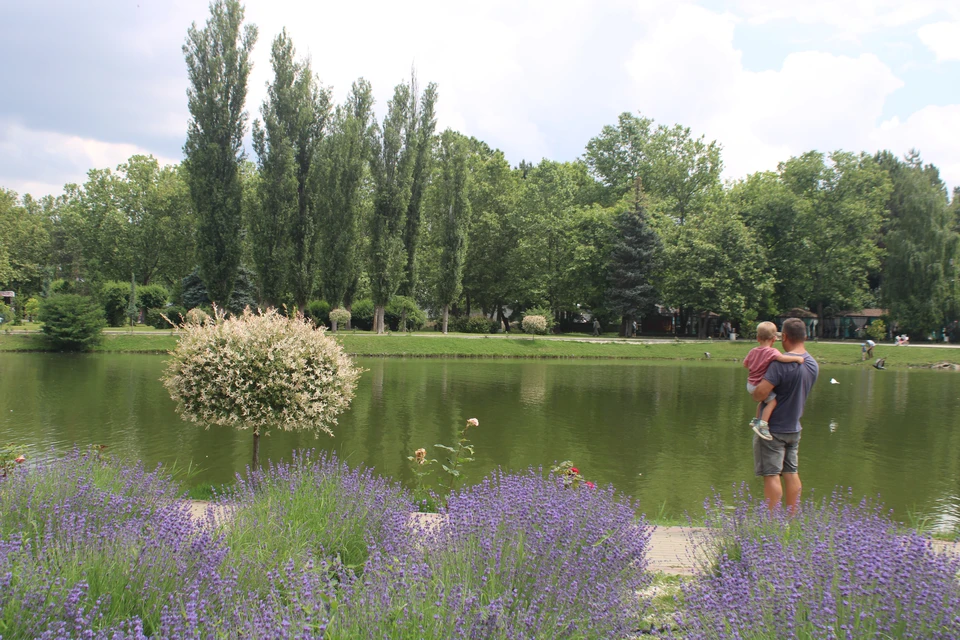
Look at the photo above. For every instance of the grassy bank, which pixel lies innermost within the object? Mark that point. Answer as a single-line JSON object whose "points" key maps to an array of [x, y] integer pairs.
{"points": [[462, 346]]}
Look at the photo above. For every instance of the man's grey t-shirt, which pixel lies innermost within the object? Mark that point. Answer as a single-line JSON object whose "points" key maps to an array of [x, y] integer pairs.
{"points": [[791, 382]]}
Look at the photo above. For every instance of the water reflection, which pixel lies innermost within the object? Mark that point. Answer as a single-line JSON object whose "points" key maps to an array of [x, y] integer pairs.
{"points": [[682, 426]]}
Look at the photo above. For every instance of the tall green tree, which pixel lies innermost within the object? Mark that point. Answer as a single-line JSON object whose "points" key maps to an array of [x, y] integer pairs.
{"points": [[287, 228], [392, 170], [714, 264], [684, 174], [340, 174], [452, 217], [218, 65], [493, 273], [919, 274], [423, 124], [24, 243], [635, 261], [621, 154]]}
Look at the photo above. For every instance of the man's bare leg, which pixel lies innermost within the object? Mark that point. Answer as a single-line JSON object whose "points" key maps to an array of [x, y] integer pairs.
{"points": [[792, 489], [772, 491]]}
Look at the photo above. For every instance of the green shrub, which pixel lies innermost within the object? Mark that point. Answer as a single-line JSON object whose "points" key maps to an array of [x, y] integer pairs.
{"points": [[62, 286], [318, 311], [877, 330], [151, 296], [32, 308], [243, 296], [475, 324], [6, 316], [115, 297], [363, 314], [72, 322], [155, 317], [394, 312]]}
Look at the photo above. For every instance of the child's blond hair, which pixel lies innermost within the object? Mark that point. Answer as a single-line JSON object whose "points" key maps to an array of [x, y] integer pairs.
{"points": [[766, 331]]}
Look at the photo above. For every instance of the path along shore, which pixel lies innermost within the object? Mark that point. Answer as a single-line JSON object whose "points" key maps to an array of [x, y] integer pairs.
{"points": [[669, 550]]}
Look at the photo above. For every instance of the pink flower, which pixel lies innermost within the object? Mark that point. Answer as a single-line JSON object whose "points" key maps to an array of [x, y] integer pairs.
{"points": [[591, 485], [20, 459], [473, 422], [574, 470]]}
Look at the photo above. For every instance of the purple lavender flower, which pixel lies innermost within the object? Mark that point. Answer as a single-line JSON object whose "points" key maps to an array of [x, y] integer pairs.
{"points": [[840, 569]]}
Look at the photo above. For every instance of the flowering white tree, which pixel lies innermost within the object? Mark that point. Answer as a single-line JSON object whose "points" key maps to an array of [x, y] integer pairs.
{"points": [[534, 324], [260, 371]]}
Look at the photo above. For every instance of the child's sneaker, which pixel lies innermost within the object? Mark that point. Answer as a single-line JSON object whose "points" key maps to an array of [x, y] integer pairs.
{"points": [[760, 428]]}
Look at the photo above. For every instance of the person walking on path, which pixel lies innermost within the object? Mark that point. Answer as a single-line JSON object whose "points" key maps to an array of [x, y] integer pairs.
{"points": [[596, 327], [777, 459]]}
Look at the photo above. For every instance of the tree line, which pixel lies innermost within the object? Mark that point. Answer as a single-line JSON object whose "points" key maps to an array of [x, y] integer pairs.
{"points": [[336, 205]]}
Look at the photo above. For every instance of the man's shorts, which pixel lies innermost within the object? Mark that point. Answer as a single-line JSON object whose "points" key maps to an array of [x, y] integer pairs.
{"points": [[777, 456]]}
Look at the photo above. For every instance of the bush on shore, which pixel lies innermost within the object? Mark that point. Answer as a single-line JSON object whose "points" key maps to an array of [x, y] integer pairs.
{"points": [[72, 322]]}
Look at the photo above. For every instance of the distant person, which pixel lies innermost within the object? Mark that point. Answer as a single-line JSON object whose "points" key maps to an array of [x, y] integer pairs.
{"points": [[723, 330], [633, 327], [596, 327], [756, 363], [866, 349], [777, 459]]}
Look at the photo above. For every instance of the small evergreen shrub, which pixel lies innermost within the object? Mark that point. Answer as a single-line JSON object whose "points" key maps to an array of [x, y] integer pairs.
{"points": [[363, 314], [158, 318], [115, 297], [32, 308], [72, 322], [474, 324], [877, 330], [318, 311], [151, 296]]}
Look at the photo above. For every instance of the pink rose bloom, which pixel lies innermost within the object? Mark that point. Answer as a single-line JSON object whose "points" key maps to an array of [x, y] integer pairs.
{"points": [[473, 422], [591, 485], [20, 459]]}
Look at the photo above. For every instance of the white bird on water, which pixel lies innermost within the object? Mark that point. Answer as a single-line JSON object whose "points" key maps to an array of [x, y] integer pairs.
{"points": [[833, 381]]}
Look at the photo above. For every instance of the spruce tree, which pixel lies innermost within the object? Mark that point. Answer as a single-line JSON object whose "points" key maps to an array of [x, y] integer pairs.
{"points": [[635, 258], [218, 66]]}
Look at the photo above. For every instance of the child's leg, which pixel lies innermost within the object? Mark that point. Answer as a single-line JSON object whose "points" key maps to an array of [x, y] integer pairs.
{"points": [[768, 410]]}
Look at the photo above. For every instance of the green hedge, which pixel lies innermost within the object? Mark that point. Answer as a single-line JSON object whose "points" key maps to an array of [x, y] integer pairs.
{"points": [[72, 322]]}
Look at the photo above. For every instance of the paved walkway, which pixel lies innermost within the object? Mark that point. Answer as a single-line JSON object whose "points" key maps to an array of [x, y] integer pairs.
{"points": [[670, 547]]}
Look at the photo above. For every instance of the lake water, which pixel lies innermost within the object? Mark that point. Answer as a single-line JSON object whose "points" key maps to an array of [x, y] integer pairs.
{"points": [[666, 433]]}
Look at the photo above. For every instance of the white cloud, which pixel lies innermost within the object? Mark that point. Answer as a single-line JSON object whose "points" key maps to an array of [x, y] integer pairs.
{"points": [[942, 38], [934, 131], [689, 71], [41, 162], [851, 18]]}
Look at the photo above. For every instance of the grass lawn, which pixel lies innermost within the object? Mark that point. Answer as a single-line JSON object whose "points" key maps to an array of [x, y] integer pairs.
{"points": [[476, 346]]}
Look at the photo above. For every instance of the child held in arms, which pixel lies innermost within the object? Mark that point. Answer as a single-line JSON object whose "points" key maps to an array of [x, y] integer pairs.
{"points": [[756, 363]]}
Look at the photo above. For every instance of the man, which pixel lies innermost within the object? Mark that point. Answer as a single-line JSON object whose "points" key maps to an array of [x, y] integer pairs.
{"points": [[596, 327], [778, 458], [866, 350]]}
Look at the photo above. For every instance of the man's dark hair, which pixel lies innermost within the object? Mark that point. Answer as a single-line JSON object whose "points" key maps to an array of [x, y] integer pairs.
{"points": [[794, 329]]}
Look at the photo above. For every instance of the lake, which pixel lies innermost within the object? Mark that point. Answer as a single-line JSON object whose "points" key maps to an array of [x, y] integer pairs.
{"points": [[667, 433]]}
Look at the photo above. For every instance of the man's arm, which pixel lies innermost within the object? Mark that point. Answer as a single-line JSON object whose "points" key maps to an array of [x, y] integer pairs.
{"points": [[762, 391], [786, 357]]}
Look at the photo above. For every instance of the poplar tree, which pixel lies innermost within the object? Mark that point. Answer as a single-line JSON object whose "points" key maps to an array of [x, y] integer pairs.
{"points": [[340, 173], [286, 228], [218, 65], [391, 168], [635, 258], [453, 217], [423, 124]]}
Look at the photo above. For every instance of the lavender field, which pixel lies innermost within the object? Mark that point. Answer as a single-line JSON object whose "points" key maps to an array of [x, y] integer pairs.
{"points": [[95, 547]]}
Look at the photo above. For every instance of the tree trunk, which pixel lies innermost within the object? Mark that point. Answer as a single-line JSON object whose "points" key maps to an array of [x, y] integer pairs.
{"points": [[403, 320], [378, 319], [349, 308], [333, 325], [256, 450], [446, 315], [820, 316], [503, 319], [468, 306]]}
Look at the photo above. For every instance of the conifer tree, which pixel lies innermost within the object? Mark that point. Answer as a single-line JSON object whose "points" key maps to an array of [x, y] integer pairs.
{"points": [[634, 260], [218, 65]]}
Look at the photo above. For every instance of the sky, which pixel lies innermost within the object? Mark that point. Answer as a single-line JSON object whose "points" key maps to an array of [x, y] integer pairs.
{"points": [[88, 84]]}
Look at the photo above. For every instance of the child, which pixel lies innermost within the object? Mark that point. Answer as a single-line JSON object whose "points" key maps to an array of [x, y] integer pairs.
{"points": [[757, 362]]}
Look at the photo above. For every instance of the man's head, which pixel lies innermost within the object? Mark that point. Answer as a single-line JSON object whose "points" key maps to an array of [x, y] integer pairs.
{"points": [[794, 333], [766, 332]]}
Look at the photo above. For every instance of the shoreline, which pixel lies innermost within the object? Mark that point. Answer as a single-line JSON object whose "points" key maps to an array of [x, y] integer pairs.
{"points": [[500, 347]]}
